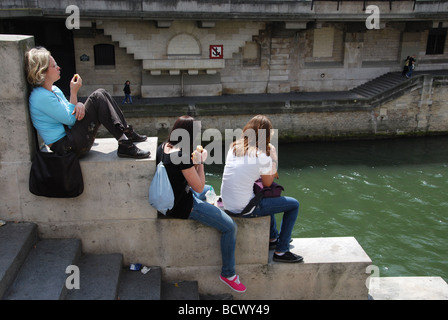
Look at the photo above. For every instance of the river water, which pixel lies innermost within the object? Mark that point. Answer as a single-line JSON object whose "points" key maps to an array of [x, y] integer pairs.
{"points": [[391, 195]]}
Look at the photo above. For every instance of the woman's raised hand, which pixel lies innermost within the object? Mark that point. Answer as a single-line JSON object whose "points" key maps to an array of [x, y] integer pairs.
{"points": [[76, 83], [199, 155]]}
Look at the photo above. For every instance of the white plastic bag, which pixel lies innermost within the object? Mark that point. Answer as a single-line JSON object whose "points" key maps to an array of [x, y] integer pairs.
{"points": [[161, 195]]}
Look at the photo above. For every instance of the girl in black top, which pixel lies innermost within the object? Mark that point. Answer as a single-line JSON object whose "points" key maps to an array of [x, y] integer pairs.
{"points": [[187, 177], [183, 202]]}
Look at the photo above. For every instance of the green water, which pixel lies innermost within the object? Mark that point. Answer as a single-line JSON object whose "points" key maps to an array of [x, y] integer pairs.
{"points": [[391, 195]]}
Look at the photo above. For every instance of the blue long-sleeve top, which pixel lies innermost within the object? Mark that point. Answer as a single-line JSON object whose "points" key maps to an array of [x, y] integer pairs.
{"points": [[49, 111]]}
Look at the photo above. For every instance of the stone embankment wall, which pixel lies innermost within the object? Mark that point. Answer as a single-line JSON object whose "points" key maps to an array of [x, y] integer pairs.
{"points": [[415, 107]]}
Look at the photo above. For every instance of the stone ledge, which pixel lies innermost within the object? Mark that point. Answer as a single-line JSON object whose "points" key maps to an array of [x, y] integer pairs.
{"points": [[105, 150], [114, 188], [408, 288], [328, 250], [173, 243], [294, 11], [185, 64], [333, 268]]}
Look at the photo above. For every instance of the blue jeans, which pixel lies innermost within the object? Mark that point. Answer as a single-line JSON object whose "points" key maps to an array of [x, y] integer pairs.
{"points": [[271, 206], [127, 97], [214, 217]]}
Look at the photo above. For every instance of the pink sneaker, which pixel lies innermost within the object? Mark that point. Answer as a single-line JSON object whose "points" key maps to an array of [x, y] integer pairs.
{"points": [[235, 284]]}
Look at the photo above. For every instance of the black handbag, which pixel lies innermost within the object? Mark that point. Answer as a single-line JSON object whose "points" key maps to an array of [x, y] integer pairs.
{"points": [[56, 176]]}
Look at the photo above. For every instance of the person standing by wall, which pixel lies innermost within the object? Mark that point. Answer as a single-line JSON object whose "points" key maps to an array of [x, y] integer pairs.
{"points": [[127, 92], [411, 67], [405, 66]]}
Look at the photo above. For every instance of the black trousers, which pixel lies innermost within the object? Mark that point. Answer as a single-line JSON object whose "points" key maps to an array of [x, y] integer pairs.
{"points": [[101, 109]]}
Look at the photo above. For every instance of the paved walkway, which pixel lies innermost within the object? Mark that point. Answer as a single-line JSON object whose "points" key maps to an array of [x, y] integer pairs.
{"points": [[296, 96], [278, 97]]}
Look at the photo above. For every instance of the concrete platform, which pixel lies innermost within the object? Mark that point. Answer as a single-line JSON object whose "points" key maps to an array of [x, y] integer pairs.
{"points": [[328, 250], [333, 268], [183, 290], [139, 286], [408, 288]]}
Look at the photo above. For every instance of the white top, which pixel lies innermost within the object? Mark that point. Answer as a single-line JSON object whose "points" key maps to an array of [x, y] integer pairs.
{"points": [[239, 176]]}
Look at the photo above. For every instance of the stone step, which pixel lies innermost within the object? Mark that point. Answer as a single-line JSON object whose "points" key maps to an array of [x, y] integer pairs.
{"points": [[182, 290], [16, 240], [37, 270], [408, 288], [135, 285], [99, 277], [379, 84], [333, 268], [366, 92], [42, 275]]}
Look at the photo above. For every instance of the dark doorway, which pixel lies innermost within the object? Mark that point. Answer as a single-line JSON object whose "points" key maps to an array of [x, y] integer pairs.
{"points": [[53, 35]]}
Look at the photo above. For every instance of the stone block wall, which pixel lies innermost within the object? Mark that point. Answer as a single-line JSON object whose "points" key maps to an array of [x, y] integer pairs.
{"points": [[439, 106], [111, 78], [172, 58], [269, 46], [16, 136], [418, 106], [258, 57]]}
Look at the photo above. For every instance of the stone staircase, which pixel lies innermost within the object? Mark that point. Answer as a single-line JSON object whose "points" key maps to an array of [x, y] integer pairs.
{"points": [[389, 82], [43, 269], [36, 269], [57, 269], [379, 85]]}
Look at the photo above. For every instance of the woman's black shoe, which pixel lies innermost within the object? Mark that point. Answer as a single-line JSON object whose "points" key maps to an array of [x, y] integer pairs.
{"points": [[127, 149], [134, 136], [288, 257]]}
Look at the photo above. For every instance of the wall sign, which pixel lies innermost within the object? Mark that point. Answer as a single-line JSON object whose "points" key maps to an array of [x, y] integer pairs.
{"points": [[216, 51]]}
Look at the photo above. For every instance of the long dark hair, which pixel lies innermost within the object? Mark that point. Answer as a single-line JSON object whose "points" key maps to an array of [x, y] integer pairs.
{"points": [[187, 123]]}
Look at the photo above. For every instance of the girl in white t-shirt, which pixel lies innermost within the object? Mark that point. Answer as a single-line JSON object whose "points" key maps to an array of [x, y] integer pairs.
{"points": [[249, 158]]}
